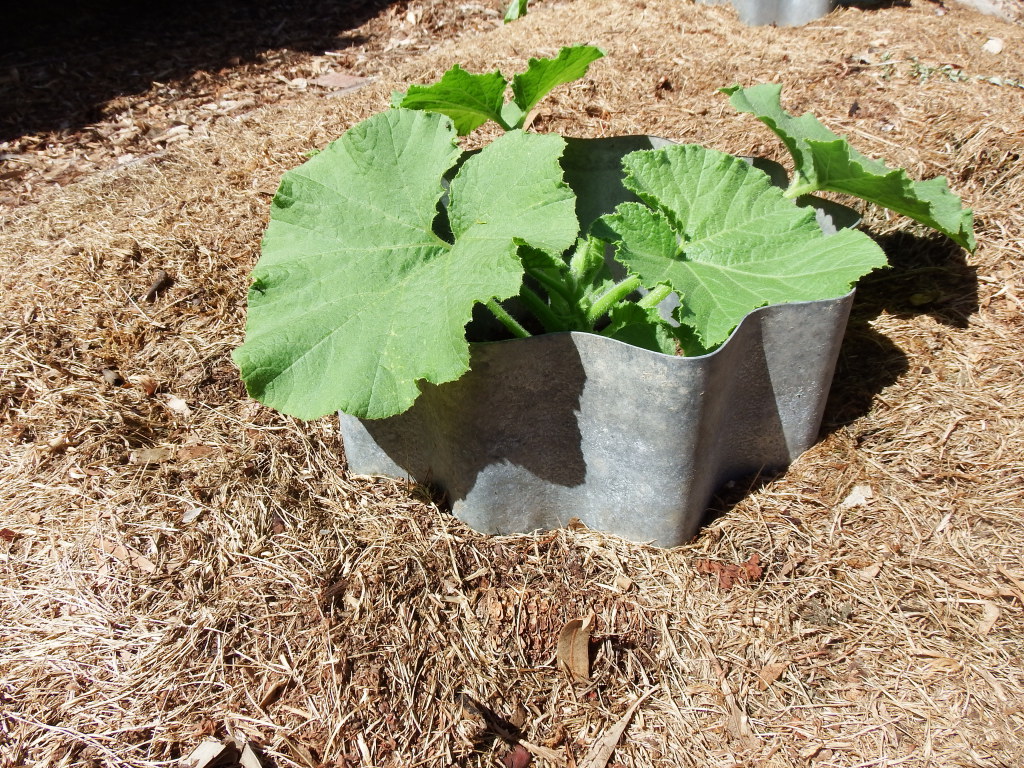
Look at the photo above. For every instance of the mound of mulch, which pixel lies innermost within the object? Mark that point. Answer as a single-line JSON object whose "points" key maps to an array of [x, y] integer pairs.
{"points": [[179, 563]]}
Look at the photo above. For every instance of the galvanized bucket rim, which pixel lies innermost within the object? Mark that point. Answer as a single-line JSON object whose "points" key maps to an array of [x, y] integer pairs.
{"points": [[610, 341]]}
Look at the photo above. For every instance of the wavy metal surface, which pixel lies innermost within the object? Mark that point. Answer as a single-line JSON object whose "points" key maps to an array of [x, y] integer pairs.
{"points": [[630, 441]]}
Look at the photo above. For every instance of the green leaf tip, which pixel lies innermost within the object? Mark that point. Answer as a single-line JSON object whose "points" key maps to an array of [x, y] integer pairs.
{"points": [[516, 10], [825, 161], [470, 100], [543, 75]]}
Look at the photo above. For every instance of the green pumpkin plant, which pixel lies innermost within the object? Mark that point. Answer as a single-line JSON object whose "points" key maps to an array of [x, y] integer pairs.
{"points": [[381, 246]]}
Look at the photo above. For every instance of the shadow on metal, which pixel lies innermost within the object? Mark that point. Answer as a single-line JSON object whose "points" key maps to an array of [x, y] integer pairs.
{"points": [[630, 441]]}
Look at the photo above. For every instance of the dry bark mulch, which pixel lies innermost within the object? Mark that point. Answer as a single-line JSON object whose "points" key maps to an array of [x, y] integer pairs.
{"points": [[178, 562]]}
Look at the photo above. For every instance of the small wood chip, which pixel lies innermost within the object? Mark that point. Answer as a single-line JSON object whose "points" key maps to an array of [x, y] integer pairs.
{"points": [[161, 282], [126, 555], [601, 750], [858, 496], [177, 405], [731, 574], [147, 384], [189, 452], [211, 753], [573, 652], [274, 690], [869, 572], [989, 616], [112, 377], [340, 82], [993, 45], [769, 673], [147, 456], [519, 757]]}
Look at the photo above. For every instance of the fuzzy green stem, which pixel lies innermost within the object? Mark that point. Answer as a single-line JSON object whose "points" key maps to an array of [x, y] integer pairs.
{"points": [[552, 285], [587, 260], [611, 297], [565, 299], [799, 186], [542, 311], [657, 295], [507, 320]]}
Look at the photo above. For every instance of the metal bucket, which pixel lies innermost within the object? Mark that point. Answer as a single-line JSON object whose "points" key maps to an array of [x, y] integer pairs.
{"points": [[630, 441], [784, 13]]}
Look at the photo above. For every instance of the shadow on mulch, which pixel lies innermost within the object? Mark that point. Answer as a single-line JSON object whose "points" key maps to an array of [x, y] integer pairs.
{"points": [[873, 4], [927, 276], [61, 61]]}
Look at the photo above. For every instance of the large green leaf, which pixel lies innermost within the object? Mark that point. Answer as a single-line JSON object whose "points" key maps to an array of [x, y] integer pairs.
{"points": [[542, 75], [470, 100], [825, 161], [726, 240], [355, 298]]}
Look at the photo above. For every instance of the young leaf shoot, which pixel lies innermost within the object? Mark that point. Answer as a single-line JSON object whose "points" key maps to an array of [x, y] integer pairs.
{"points": [[471, 100], [516, 10]]}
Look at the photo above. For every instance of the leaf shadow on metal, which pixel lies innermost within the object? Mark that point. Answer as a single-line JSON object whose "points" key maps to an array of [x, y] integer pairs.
{"points": [[607, 429], [593, 168], [526, 406]]}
